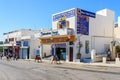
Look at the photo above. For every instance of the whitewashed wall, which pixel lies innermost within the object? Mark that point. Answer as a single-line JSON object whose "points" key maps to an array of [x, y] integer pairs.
{"points": [[33, 47]]}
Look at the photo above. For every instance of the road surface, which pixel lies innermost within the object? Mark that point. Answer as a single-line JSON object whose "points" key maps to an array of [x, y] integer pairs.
{"points": [[25, 70]]}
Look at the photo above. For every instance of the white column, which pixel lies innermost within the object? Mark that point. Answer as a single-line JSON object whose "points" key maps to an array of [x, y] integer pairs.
{"points": [[41, 50], [67, 52], [75, 51]]}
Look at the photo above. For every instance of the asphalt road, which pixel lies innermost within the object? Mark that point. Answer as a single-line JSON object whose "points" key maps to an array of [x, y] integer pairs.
{"points": [[25, 70]]}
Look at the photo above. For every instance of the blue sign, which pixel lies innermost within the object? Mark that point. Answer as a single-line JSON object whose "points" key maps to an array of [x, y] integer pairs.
{"points": [[25, 43], [45, 33], [67, 14], [18, 43], [86, 13], [60, 45], [83, 25]]}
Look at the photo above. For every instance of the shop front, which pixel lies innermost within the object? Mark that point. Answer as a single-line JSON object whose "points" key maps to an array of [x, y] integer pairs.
{"points": [[7, 48], [60, 49], [60, 45]]}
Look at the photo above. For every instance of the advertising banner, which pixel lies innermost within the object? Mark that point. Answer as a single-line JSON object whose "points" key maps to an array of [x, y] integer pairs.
{"points": [[67, 14], [82, 23], [87, 13]]}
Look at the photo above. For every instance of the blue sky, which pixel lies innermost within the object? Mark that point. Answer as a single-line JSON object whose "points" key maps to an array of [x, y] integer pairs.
{"points": [[36, 14]]}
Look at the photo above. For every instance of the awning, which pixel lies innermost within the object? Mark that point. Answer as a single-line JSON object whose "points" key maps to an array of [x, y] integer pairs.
{"points": [[57, 39]]}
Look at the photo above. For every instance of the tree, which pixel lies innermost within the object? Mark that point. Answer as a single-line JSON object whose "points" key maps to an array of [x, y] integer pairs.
{"points": [[118, 50]]}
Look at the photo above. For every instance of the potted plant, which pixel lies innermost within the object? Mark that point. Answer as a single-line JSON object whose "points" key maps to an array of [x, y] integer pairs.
{"points": [[118, 51], [79, 54]]}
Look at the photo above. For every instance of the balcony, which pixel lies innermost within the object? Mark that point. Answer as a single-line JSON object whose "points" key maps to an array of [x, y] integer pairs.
{"points": [[66, 31]]}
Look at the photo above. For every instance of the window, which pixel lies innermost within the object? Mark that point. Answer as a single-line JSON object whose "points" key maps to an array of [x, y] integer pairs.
{"points": [[25, 43], [86, 46]]}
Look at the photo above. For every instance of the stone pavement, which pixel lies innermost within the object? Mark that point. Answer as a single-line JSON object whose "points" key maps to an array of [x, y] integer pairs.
{"points": [[108, 67]]}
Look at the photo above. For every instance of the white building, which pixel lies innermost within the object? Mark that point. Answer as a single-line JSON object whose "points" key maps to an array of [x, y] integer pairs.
{"points": [[20, 42], [77, 27], [117, 30]]}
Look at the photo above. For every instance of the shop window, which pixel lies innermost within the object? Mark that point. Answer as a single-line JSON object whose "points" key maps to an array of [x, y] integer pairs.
{"points": [[86, 46]]}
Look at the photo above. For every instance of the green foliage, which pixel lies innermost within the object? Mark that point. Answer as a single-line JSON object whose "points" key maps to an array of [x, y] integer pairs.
{"points": [[118, 49], [1, 49], [78, 55]]}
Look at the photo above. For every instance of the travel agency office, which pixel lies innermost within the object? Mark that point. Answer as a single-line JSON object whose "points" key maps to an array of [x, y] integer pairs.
{"points": [[76, 32]]}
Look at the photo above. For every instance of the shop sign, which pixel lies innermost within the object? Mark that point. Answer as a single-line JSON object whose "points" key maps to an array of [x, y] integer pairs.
{"points": [[45, 33], [57, 39], [60, 39], [87, 13], [67, 14], [52, 33], [82, 23], [18, 43], [60, 45], [48, 40]]}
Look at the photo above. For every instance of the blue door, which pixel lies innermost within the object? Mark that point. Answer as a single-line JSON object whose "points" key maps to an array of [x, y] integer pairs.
{"points": [[24, 53]]}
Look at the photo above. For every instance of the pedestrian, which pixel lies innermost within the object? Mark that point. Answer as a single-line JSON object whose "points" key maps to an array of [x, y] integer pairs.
{"points": [[38, 58], [10, 55], [58, 56], [109, 54], [14, 56], [54, 59], [7, 57], [1, 55]]}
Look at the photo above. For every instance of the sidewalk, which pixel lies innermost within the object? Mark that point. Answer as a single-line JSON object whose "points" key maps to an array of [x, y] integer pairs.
{"points": [[107, 64], [100, 64]]}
